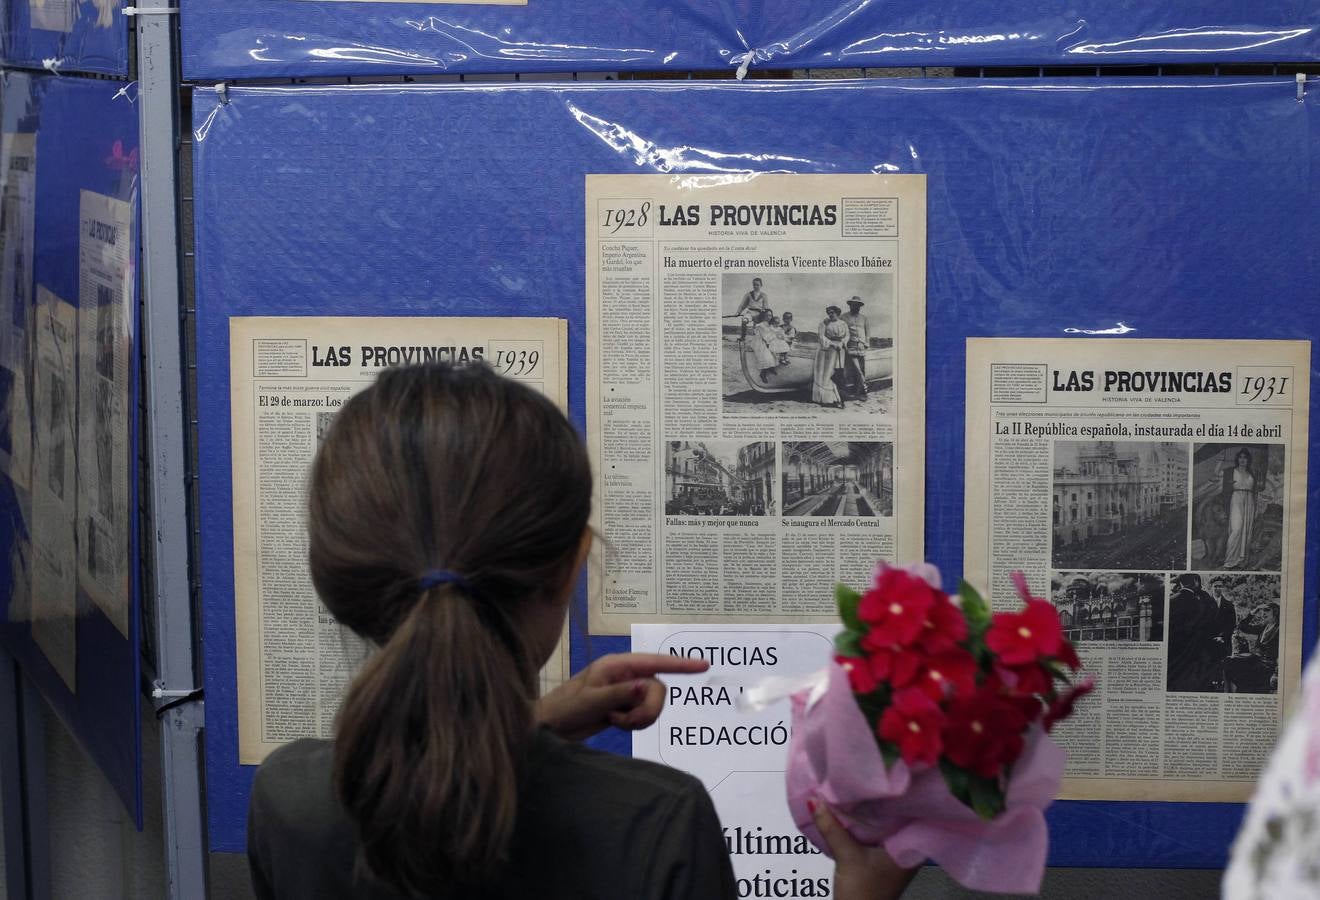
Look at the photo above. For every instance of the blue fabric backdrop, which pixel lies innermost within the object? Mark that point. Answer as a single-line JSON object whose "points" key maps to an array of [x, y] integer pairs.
{"points": [[278, 38], [1053, 205]]}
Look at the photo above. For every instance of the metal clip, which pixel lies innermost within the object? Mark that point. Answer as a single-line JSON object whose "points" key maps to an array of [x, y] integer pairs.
{"points": [[150, 10], [222, 91], [158, 692], [1301, 86]]}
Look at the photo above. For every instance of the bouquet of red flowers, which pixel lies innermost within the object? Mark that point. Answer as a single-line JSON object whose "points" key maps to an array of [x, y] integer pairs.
{"points": [[930, 734]]}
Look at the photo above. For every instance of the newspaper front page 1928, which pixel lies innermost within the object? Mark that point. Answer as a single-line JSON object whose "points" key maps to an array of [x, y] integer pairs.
{"points": [[1155, 491], [288, 376], [755, 390]]}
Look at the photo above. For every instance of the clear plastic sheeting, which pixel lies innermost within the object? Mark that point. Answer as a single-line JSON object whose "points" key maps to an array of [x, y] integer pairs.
{"points": [[1054, 207], [65, 35], [68, 408], [280, 38]]}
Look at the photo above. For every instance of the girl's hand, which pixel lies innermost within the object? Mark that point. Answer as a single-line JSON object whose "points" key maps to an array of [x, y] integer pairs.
{"points": [[860, 872], [619, 689]]}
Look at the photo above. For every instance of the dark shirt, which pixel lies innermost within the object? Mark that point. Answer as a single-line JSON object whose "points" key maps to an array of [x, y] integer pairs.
{"points": [[590, 825], [1268, 645]]}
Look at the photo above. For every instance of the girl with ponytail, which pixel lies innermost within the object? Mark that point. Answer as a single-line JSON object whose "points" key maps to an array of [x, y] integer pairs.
{"points": [[447, 525]]}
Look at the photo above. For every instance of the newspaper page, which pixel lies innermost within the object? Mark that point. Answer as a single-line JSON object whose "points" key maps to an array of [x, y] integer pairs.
{"points": [[755, 390], [52, 15], [287, 378], [53, 561], [18, 168], [104, 352], [1155, 490]]}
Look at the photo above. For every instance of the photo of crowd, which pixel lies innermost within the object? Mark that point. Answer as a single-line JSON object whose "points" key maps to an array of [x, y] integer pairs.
{"points": [[1224, 633], [719, 478]]}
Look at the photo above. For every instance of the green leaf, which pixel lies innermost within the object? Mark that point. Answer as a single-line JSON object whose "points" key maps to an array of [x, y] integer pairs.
{"points": [[987, 796], [956, 778], [889, 752], [848, 643], [847, 600], [974, 608]]}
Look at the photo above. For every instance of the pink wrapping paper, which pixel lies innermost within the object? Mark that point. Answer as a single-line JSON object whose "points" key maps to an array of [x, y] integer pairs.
{"points": [[833, 756]]}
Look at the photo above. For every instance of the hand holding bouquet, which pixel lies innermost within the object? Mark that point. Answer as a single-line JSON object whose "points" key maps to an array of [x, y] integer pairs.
{"points": [[930, 736]]}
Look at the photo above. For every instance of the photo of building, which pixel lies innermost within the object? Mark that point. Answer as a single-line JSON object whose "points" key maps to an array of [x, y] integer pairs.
{"points": [[719, 478], [1109, 606], [838, 478], [1119, 504]]}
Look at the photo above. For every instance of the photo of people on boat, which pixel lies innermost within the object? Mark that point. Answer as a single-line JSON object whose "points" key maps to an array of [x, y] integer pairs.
{"points": [[801, 342], [838, 478]]}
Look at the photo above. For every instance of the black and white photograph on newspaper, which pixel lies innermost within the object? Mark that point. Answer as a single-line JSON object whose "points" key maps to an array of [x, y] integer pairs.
{"points": [[838, 478], [1109, 606], [1237, 506], [1120, 504], [323, 422], [1224, 633], [719, 478], [794, 342]]}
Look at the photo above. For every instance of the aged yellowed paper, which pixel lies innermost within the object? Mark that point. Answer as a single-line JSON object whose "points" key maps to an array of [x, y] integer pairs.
{"points": [[1155, 492], [755, 390], [288, 376]]}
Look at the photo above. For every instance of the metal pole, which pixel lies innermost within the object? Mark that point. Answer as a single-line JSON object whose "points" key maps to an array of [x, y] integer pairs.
{"points": [[180, 735], [11, 781], [23, 786]]}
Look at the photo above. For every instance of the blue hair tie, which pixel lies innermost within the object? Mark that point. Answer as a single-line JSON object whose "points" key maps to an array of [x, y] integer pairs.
{"points": [[437, 577]]}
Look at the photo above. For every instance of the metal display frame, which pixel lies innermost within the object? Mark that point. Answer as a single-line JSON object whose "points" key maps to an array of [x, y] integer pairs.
{"points": [[180, 707]]}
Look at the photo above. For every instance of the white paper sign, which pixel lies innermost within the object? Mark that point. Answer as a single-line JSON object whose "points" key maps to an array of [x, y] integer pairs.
{"points": [[740, 755]]}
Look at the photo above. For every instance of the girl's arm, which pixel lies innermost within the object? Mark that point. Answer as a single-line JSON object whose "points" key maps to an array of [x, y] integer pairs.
{"points": [[619, 689]]}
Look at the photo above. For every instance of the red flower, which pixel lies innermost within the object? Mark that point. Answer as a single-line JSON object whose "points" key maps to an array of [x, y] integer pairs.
{"points": [[950, 674], [945, 626], [1024, 637], [1025, 681], [1068, 656], [1020, 582], [894, 665], [1062, 707], [913, 722], [897, 606], [984, 733], [859, 674]]}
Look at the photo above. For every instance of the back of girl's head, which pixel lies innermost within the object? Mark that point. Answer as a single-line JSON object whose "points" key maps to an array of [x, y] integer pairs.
{"points": [[442, 502]]}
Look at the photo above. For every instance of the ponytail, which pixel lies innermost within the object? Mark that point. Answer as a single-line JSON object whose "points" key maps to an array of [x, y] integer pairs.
{"points": [[458, 468], [430, 746]]}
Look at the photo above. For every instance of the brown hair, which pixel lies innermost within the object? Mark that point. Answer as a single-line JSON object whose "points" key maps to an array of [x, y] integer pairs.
{"points": [[436, 469]]}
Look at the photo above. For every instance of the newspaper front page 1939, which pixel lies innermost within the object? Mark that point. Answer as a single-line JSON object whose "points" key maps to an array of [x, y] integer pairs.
{"points": [[287, 378], [1155, 491], [755, 390]]}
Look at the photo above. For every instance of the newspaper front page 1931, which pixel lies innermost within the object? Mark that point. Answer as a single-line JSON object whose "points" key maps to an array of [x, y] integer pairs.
{"points": [[288, 376], [1155, 491], [755, 390]]}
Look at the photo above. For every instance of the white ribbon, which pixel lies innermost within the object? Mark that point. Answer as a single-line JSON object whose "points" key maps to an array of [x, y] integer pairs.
{"points": [[773, 688]]}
